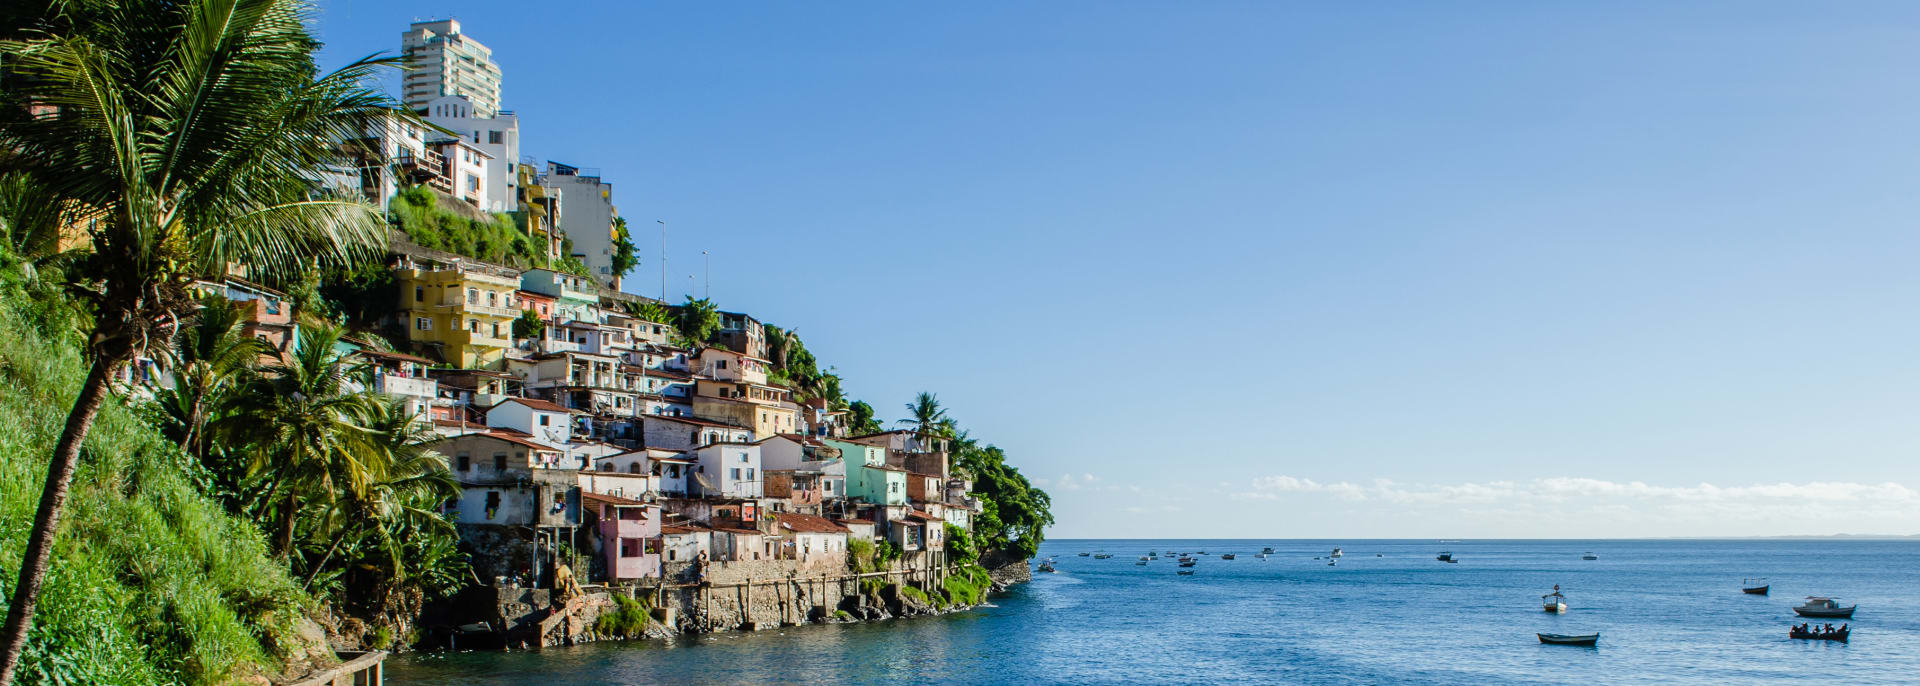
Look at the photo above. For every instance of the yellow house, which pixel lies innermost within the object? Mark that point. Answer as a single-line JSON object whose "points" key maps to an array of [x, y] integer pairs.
{"points": [[769, 410], [462, 309]]}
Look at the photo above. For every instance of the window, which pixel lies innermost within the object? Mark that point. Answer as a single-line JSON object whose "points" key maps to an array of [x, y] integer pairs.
{"points": [[544, 419], [473, 326], [734, 473], [749, 473], [497, 333], [464, 462], [473, 183], [419, 294], [499, 462], [493, 299], [494, 137], [743, 457], [473, 296], [422, 324], [722, 364]]}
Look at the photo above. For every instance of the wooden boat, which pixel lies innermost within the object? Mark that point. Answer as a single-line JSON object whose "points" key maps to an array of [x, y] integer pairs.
{"points": [[1554, 602], [1756, 586], [1142, 562], [1820, 606], [1103, 556], [1187, 558], [1226, 556], [1046, 567], [1185, 572], [1085, 554], [1570, 639], [1589, 556], [1809, 635]]}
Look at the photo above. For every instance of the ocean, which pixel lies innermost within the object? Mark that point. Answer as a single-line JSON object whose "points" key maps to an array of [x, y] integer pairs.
{"points": [[1668, 611]]}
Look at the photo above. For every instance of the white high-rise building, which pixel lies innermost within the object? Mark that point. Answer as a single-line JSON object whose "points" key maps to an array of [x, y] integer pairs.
{"points": [[443, 61], [585, 213]]}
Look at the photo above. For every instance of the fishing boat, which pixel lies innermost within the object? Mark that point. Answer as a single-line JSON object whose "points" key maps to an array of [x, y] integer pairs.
{"points": [[1379, 554], [1185, 572], [1445, 557], [1569, 639], [1262, 556], [1755, 585], [1188, 563], [1085, 554], [1226, 556], [1554, 602], [1103, 556], [1589, 556], [1142, 562], [1046, 566], [1187, 558], [1266, 551], [1331, 563], [1819, 606], [1811, 634], [1337, 553]]}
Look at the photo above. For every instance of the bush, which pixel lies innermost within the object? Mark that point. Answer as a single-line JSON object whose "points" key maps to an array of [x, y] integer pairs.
{"points": [[629, 619], [967, 585], [916, 595]]}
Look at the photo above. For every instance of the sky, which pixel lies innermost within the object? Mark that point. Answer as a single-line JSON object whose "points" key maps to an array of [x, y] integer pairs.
{"points": [[1287, 269]]}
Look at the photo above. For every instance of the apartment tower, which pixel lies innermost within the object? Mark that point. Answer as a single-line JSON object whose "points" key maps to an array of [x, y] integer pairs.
{"points": [[442, 61]]}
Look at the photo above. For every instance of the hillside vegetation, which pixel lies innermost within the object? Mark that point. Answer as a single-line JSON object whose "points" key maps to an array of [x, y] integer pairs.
{"points": [[152, 581]]}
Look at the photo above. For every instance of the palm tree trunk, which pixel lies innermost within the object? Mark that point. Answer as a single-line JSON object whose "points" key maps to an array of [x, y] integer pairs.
{"points": [[33, 566], [286, 532]]}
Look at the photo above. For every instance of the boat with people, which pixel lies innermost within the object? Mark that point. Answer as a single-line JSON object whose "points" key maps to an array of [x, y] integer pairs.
{"points": [[1822, 606], [1570, 639], [1589, 556], [1755, 585], [1554, 602], [1226, 556], [1808, 632], [1337, 553]]}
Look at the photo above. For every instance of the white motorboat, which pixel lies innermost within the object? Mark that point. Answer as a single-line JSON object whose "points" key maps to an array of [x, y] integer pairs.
{"points": [[1821, 606], [1337, 553], [1554, 602]]}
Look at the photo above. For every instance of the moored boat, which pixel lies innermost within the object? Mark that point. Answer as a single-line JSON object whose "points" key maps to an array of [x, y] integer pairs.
{"points": [[1755, 585], [1226, 556], [1554, 602], [1188, 563], [1103, 556], [1085, 554], [1445, 557], [1589, 556], [1185, 572], [1570, 639], [1337, 553], [1046, 567], [1266, 551], [1821, 606]]}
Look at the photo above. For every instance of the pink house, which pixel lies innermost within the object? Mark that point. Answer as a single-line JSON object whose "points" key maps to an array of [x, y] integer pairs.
{"points": [[629, 535]]}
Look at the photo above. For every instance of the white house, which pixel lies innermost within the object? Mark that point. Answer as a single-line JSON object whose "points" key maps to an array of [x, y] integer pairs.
{"points": [[546, 422], [727, 470], [686, 433], [498, 137]]}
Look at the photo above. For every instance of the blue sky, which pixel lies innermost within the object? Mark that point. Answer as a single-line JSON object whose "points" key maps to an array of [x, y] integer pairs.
{"points": [[1296, 269]]}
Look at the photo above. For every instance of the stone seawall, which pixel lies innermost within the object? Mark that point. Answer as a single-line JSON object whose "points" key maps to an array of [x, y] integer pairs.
{"points": [[748, 596]]}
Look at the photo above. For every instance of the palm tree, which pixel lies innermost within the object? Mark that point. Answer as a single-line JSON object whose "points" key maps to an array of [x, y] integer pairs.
{"points": [[308, 436], [929, 420], [212, 361], [191, 129], [405, 497], [698, 319]]}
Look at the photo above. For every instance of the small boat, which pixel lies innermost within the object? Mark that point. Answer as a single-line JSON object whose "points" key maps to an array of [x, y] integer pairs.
{"points": [[1142, 562], [1085, 554], [1812, 634], [1266, 551], [1819, 606], [1554, 602], [1203, 552], [1756, 586], [1379, 554], [1569, 639], [1589, 556], [1046, 567], [1226, 556], [1188, 558], [1188, 563], [1262, 556], [1337, 553], [1331, 563], [1103, 556], [1185, 572], [1445, 557]]}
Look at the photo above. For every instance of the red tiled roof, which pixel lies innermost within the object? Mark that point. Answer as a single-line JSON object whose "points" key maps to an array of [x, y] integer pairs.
{"points": [[536, 403], [922, 516], [610, 499], [809, 524], [670, 530]]}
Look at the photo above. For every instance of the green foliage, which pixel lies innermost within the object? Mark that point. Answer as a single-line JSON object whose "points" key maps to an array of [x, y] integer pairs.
{"points": [[529, 325], [651, 311], [1014, 514], [152, 581], [915, 595], [424, 216], [697, 321], [861, 420], [967, 585], [625, 253], [960, 546], [628, 619], [842, 614]]}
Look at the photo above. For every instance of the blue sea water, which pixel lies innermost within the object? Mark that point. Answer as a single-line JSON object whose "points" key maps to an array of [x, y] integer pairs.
{"points": [[1668, 611]]}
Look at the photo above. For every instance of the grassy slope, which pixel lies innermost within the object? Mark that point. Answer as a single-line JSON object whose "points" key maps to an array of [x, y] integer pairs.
{"points": [[152, 582]]}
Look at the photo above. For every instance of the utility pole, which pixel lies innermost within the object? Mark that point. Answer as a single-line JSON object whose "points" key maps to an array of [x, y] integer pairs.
{"points": [[709, 294], [663, 260]]}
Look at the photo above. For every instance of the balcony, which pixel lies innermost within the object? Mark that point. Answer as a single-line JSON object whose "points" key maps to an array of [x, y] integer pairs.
{"points": [[627, 528]]}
